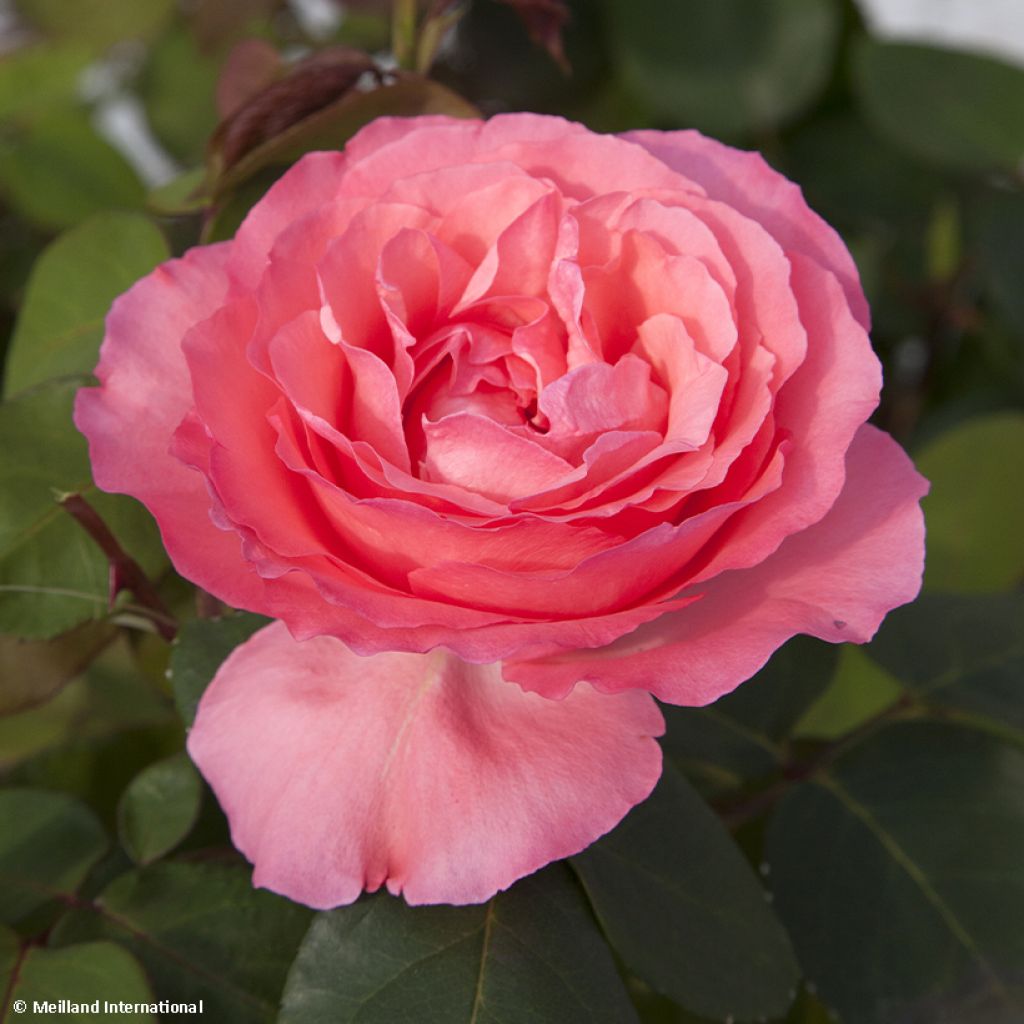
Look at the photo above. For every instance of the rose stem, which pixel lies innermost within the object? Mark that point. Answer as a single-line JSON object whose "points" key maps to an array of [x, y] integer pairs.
{"points": [[125, 572], [736, 813]]}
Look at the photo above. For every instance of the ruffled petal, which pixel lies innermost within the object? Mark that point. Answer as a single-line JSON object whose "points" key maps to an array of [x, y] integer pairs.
{"points": [[835, 580], [144, 394], [419, 772], [748, 184]]}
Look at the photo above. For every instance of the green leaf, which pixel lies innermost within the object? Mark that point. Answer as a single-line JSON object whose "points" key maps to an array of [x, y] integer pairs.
{"points": [[729, 67], [98, 23], [159, 808], [964, 652], [9, 953], [683, 908], [177, 85], [108, 699], [200, 649], [56, 171], [201, 931], [183, 195], [48, 843], [738, 738], [854, 180], [957, 109], [86, 974], [71, 288], [530, 954], [859, 690], [37, 77], [53, 576], [976, 505], [31, 672], [774, 700], [899, 874], [998, 222]]}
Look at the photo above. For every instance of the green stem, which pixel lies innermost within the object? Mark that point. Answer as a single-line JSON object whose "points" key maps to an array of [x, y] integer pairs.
{"points": [[403, 33]]}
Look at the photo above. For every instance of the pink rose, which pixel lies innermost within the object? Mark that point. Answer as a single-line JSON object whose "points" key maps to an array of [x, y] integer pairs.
{"points": [[512, 426]]}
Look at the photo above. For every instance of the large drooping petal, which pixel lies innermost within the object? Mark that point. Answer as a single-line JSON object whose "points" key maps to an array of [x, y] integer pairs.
{"points": [[423, 773], [835, 580]]}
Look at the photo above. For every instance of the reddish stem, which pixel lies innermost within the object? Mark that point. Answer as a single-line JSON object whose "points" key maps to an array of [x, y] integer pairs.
{"points": [[125, 572]]}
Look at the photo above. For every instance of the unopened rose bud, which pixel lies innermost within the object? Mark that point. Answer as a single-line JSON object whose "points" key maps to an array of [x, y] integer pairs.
{"points": [[310, 86]]}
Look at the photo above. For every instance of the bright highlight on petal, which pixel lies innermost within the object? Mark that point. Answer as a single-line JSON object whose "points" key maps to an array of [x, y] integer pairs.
{"points": [[423, 773]]}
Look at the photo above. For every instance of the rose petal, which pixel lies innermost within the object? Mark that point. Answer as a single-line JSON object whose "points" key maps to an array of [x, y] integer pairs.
{"points": [[835, 580], [597, 398], [418, 772], [823, 406], [487, 458], [308, 185], [745, 182], [145, 393]]}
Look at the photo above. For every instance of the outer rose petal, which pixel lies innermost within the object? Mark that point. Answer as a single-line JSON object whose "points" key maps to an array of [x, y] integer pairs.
{"points": [[835, 580], [421, 772], [748, 184], [145, 394]]}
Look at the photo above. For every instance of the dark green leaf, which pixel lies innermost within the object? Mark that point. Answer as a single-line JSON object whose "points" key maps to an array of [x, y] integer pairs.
{"points": [[199, 650], [48, 843], [998, 221], [774, 700], [850, 177], [859, 690], [737, 738], [72, 286], [531, 954], [159, 808], [9, 948], [976, 506], [684, 910], [32, 671], [108, 699], [53, 576], [956, 109], [899, 874], [715, 751], [962, 652], [729, 67], [89, 973], [56, 171], [201, 932]]}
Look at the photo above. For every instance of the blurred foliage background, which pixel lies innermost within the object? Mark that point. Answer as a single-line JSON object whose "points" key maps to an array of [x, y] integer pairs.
{"points": [[878, 792]]}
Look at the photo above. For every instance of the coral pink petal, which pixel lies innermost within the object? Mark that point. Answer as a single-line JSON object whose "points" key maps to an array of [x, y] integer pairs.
{"points": [[486, 457], [746, 183], [828, 398], [835, 580], [310, 184], [145, 394], [419, 772]]}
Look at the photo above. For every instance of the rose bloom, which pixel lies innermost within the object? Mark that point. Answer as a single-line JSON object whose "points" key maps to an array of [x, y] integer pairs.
{"points": [[511, 426]]}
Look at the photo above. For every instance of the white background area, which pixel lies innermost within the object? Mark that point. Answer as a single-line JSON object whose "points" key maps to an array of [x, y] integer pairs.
{"points": [[994, 27]]}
